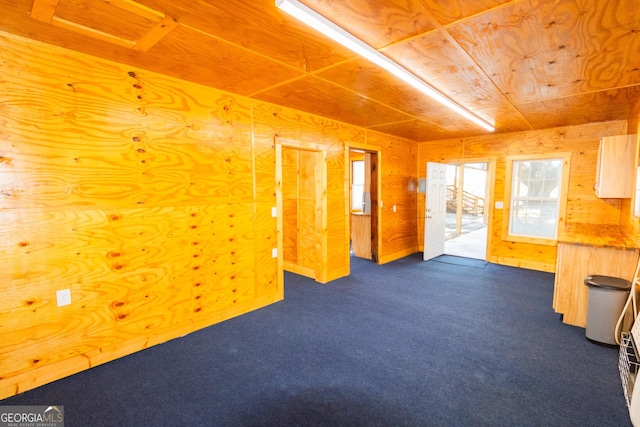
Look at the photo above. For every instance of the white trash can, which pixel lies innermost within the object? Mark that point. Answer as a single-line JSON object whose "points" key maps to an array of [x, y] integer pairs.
{"points": [[607, 296]]}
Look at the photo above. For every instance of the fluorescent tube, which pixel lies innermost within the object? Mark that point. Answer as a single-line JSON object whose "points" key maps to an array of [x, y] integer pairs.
{"points": [[331, 30]]}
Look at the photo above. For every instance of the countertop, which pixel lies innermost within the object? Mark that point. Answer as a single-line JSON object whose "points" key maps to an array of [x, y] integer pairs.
{"points": [[597, 236]]}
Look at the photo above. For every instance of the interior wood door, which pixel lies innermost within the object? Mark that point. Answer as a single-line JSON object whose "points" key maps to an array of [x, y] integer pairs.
{"points": [[435, 210], [302, 207]]}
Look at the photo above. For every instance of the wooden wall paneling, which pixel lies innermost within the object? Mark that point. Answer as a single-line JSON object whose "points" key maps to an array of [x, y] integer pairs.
{"points": [[264, 154], [397, 186], [135, 191], [582, 204], [150, 199]]}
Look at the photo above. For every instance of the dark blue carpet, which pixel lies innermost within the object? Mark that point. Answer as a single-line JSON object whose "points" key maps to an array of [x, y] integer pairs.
{"points": [[409, 343]]}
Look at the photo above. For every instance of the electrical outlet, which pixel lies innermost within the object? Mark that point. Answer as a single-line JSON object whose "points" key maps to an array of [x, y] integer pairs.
{"points": [[274, 212], [64, 297]]}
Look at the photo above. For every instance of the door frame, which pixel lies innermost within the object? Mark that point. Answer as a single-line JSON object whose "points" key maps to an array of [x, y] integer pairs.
{"points": [[376, 196], [491, 176], [321, 267]]}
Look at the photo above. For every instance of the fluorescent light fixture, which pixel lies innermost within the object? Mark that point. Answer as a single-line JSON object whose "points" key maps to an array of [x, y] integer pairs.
{"points": [[331, 30]]}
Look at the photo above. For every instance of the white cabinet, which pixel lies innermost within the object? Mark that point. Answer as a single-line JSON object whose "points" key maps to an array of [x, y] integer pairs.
{"points": [[616, 165]]}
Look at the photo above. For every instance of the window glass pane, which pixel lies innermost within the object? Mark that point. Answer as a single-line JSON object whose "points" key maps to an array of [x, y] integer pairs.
{"points": [[357, 184], [358, 172], [357, 197], [535, 197]]}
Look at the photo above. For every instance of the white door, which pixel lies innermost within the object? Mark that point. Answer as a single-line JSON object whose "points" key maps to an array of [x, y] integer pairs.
{"points": [[435, 210]]}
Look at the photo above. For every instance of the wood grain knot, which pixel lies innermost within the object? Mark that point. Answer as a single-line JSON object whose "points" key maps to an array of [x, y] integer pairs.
{"points": [[137, 86], [23, 244], [117, 304], [197, 310], [132, 74], [121, 316]]}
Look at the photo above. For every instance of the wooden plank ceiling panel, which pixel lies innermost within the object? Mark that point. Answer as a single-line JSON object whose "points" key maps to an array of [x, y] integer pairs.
{"points": [[539, 50], [326, 99], [259, 26], [380, 23], [90, 13], [615, 104], [447, 12], [367, 79], [438, 62], [197, 57], [522, 64], [420, 130]]}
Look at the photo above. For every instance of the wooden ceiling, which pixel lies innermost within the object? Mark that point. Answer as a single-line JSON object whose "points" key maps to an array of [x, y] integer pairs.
{"points": [[524, 64]]}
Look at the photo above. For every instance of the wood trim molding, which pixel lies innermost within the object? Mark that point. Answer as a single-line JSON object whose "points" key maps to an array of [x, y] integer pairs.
{"points": [[44, 10], [155, 34]]}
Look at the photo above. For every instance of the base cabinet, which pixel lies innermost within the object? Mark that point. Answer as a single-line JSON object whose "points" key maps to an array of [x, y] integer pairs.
{"points": [[574, 263]]}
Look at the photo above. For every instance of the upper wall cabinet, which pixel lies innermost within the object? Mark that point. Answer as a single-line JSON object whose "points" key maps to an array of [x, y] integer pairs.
{"points": [[616, 164]]}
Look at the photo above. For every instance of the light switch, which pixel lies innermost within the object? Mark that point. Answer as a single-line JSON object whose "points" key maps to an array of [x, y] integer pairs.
{"points": [[274, 253]]}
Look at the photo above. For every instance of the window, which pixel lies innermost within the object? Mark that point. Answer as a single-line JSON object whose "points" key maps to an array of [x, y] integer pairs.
{"points": [[357, 185], [536, 192]]}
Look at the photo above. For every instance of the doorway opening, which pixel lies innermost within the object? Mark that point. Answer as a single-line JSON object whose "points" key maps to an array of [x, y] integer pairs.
{"points": [[468, 191], [363, 204]]}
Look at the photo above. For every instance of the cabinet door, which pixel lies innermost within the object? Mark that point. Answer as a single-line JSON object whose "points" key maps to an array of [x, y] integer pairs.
{"points": [[616, 155]]}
